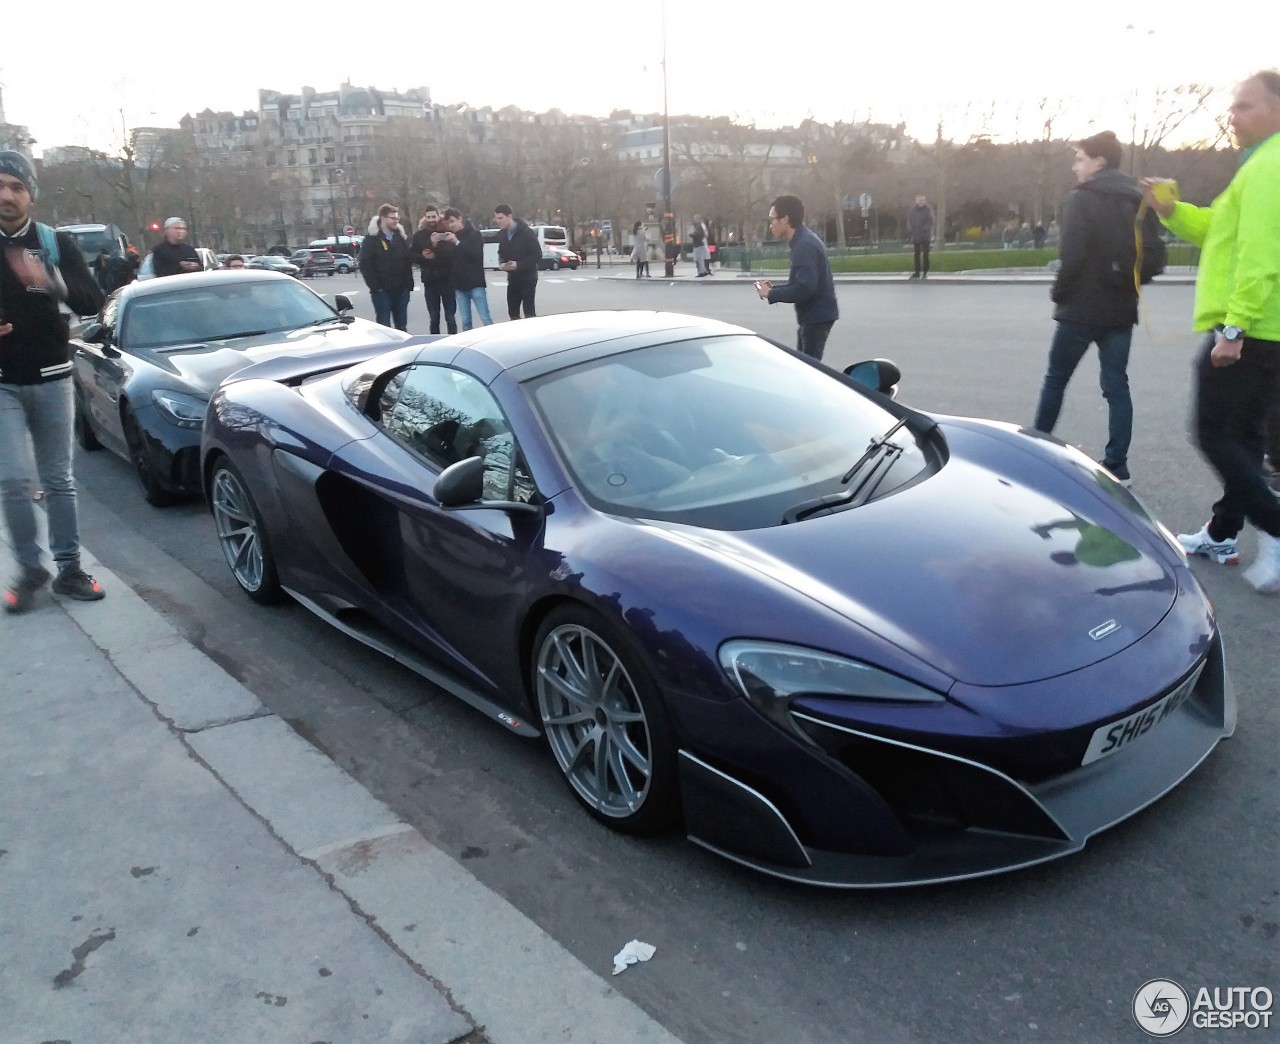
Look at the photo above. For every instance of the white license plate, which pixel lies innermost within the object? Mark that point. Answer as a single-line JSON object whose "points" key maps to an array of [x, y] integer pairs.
{"points": [[1117, 735]]}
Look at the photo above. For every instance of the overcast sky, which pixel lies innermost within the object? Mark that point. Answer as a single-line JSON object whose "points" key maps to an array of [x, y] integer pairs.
{"points": [[774, 63]]}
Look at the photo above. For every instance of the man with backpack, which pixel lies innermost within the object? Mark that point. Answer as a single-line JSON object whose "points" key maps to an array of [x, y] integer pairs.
{"points": [[1095, 292], [39, 269]]}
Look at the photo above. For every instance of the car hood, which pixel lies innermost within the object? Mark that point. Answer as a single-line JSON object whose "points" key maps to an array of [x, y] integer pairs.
{"points": [[988, 580], [204, 367]]}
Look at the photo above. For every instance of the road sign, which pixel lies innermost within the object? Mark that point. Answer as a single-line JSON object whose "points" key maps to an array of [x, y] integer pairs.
{"points": [[606, 226], [659, 182], [864, 201], [350, 230], [848, 201]]}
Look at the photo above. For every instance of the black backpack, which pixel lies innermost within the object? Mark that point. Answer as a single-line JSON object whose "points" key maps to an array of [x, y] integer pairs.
{"points": [[1135, 251]]}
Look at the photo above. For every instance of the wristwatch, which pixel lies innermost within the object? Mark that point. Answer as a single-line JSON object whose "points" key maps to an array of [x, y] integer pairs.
{"points": [[1232, 333]]}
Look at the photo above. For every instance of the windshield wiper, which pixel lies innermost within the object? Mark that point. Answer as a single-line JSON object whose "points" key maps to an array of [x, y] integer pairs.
{"points": [[873, 465], [345, 320], [236, 336]]}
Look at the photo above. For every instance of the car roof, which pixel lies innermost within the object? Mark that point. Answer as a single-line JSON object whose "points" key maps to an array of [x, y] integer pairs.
{"points": [[538, 346], [215, 277]]}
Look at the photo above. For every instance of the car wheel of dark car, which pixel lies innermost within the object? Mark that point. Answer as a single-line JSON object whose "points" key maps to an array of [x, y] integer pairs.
{"points": [[242, 536], [85, 438], [152, 490], [604, 721], [555, 266]]}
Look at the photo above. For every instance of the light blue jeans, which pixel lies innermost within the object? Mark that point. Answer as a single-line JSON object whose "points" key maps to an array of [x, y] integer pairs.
{"points": [[37, 417], [480, 295]]}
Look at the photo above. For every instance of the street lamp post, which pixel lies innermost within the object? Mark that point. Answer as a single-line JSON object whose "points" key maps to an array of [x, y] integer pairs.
{"points": [[668, 213], [334, 175]]}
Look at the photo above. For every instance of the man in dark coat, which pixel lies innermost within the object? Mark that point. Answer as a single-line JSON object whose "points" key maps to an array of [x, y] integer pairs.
{"points": [[920, 229], [1094, 293], [174, 255], [434, 267], [809, 286], [519, 254], [387, 268], [465, 250]]}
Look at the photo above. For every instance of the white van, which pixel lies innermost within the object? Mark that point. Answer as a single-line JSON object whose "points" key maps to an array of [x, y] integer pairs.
{"points": [[551, 236], [555, 237]]}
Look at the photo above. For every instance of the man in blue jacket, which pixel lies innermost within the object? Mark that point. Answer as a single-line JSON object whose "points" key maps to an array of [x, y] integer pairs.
{"points": [[809, 285]]}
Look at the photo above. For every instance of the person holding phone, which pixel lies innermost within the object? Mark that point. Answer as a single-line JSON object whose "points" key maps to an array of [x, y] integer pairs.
{"points": [[809, 286], [36, 406], [173, 255]]}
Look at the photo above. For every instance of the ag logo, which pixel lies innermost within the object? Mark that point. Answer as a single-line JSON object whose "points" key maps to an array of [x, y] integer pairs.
{"points": [[1161, 1007]]}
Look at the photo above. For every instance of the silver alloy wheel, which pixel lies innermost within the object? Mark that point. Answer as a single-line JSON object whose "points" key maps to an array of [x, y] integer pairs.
{"points": [[594, 721], [237, 527]]}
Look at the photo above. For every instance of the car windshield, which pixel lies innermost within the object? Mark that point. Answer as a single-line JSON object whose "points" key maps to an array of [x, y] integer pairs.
{"points": [[724, 433], [93, 243], [198, 314]]}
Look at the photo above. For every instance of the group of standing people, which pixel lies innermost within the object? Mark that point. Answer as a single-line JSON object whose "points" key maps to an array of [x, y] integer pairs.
{"points": [[1237, 308], [448, 251]]}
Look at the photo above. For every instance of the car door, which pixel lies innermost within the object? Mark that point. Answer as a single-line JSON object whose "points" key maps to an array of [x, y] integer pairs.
{"points": [[101, 370], [464, 572]]}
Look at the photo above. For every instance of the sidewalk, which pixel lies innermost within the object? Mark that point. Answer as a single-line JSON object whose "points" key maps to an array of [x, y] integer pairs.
{"points": [[685, 272], [177, 864]]}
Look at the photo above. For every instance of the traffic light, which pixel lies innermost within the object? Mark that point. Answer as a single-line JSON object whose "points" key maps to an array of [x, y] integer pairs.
{"points": [[154, 226]]}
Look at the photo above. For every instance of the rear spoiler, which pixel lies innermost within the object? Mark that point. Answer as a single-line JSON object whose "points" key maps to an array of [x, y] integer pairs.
{"points": [[294, 369]]}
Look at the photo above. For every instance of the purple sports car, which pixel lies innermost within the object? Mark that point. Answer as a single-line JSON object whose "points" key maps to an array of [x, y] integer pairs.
{"points": [[842, 641]]}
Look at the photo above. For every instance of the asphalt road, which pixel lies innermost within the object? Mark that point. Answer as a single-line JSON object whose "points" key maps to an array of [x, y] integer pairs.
{"points": [[1188, 889]]}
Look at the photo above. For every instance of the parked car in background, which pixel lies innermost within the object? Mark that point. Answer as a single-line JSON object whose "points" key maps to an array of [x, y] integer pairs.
{"points": [[344, 263], [314, 262], [274, 263], [557, 257], [144, 369]]}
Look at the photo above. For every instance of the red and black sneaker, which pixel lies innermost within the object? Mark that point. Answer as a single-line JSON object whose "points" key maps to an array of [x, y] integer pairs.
{"points": [[76, 583], [19, 596]]}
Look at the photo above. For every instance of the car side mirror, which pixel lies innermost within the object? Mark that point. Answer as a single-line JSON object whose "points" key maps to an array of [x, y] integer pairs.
{"points": [[342, 303], [880, 374], [95, 333], [461, 487]]}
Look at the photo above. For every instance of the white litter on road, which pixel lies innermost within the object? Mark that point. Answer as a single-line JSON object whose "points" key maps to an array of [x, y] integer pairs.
{"points": [[633, 953]]}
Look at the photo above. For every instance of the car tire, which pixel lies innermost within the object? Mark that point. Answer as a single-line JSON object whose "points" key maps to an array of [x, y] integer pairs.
{"points": [[242, 536], [153, 491], [85, 438], [604, 721], [555, 266]]}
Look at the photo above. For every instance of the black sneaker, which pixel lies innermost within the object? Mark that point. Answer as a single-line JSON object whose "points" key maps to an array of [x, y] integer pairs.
{"points": [[19, 596], [1120, 471], [77, 584]]}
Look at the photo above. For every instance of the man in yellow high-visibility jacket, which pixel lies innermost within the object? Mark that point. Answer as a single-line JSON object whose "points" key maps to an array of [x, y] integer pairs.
{"points": [[1237, 304]]}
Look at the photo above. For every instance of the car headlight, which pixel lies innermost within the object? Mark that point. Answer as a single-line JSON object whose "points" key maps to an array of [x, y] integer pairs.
{"points": [[186, 411], [771, 674]]}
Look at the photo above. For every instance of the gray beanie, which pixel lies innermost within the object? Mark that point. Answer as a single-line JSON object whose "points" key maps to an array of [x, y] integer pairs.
{"points": [[16, 165]]}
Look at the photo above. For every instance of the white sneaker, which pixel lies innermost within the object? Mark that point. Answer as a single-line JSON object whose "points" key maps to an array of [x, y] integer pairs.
{"points": [[1264, 574], [1223, 552]]}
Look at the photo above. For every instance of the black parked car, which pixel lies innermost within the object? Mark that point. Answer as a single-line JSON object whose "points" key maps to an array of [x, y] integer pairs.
{"points": [[145, 368], [274, 263]]}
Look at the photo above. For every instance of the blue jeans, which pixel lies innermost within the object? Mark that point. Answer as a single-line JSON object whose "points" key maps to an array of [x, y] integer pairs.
{"points": [[1070, 342], [480, 295], [391, 308], [40, 413]]}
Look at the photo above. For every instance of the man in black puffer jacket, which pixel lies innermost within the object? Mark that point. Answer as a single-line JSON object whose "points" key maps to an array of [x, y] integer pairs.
{"points": [[1094, 293], [387, 268]]}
